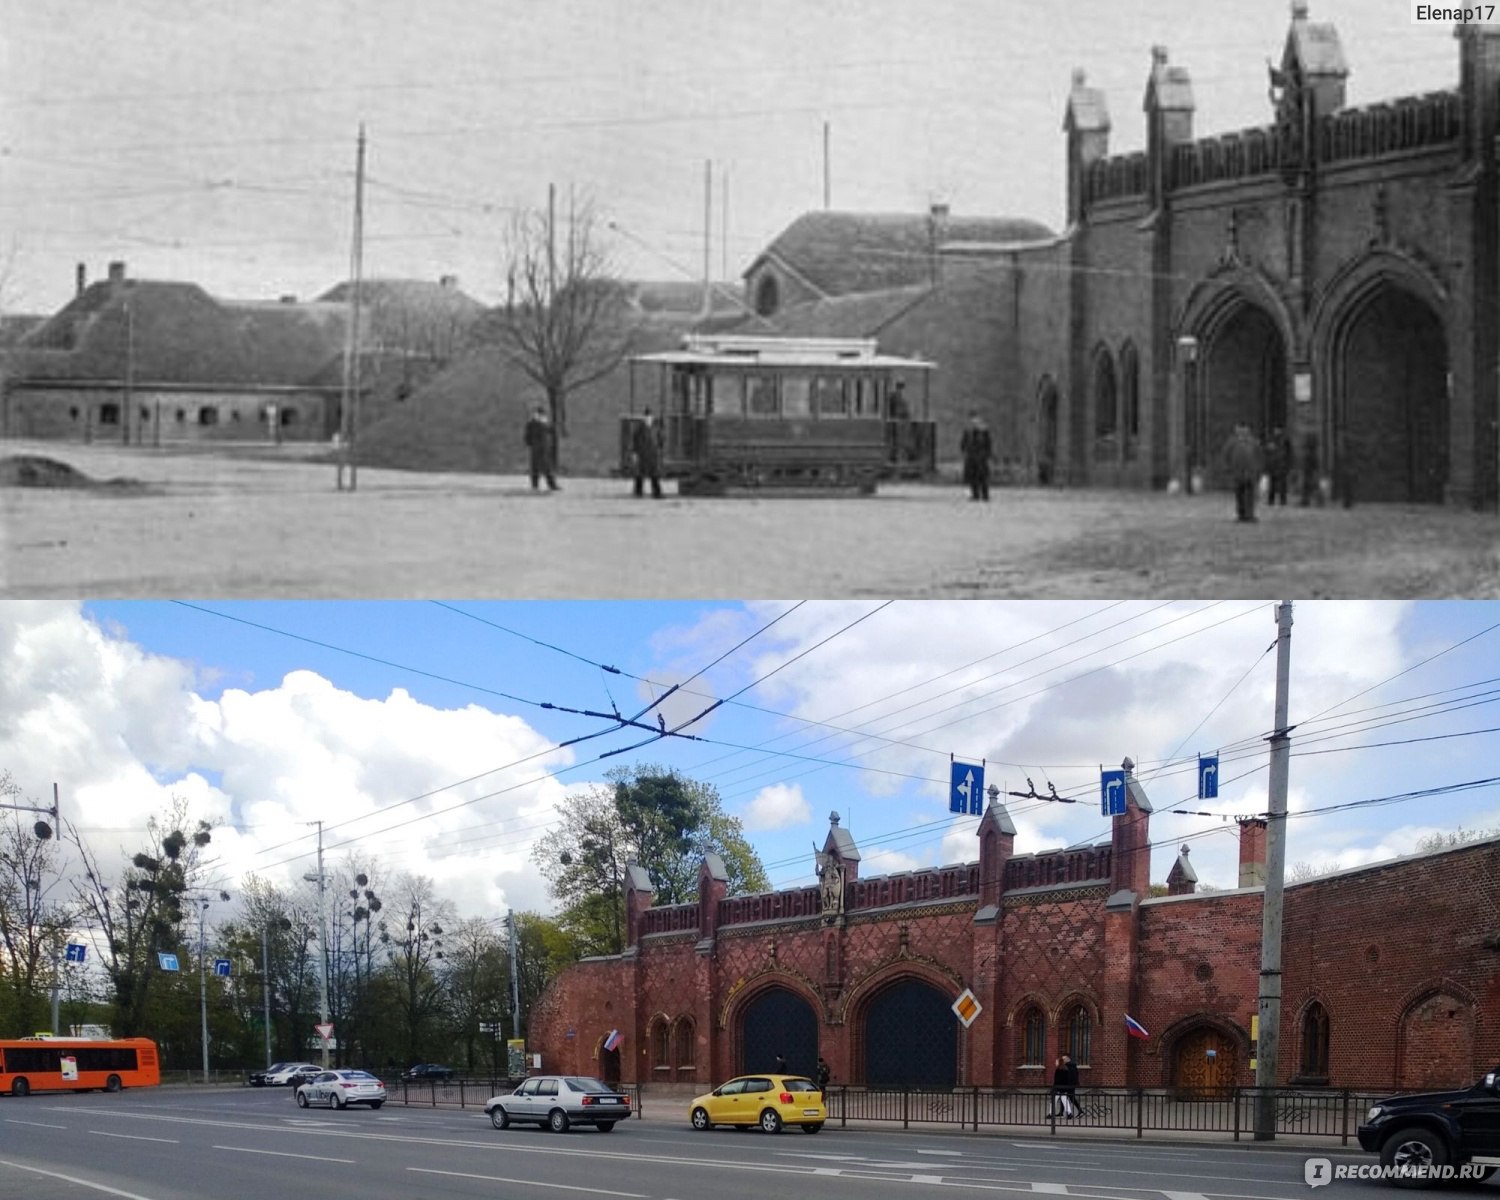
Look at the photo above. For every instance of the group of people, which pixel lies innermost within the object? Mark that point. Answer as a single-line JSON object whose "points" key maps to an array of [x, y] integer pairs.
{"points": [[1246, 459], [645, 451], [1065, 1087]]}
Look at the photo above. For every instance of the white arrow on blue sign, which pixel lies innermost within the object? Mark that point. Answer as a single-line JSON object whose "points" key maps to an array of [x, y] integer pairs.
{"points": [[221, 966], [76, 952], [1111, 793], [1208, 777], [168, 961], [966, 789]]}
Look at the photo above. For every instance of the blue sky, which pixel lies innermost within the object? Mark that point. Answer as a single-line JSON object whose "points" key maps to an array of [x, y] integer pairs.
{"points": [[416, 762]]}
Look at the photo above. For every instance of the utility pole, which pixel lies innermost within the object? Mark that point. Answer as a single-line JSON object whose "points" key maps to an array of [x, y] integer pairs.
{"points": [[1269, 1046], [515, 979], [708, 237], [350, 415], [321, 880], [202, 903], [265, 987], [827, 170]]}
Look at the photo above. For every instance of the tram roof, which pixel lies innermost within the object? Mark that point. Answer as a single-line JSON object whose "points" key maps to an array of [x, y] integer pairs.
{"points": [[846, 353]]}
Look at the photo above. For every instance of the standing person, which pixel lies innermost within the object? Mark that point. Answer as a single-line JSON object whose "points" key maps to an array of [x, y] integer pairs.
{"points": [[541, 446], [1242, 463], [1062, 1093], [1310, 483], [646, 451], [1279, 455], [823, 1074], [781, 1064], [978, 450]]}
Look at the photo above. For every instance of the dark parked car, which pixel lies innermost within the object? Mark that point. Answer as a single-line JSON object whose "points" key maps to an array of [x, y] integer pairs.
{"points": [[1437, 1130], [258, 1078], [426, 1071]]}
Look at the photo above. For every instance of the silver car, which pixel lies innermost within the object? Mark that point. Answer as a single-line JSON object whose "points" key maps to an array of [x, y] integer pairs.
{"points": [[557, 1102], [339, 1089], [283, 1073]]}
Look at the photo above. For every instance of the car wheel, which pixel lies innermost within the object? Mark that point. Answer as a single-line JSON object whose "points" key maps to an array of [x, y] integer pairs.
{"points": [[1417, 1150], [770, 1121], [499, 1118], [376, 1103], [557, 1121], [604, 1126], [301, 1098], [815, 1127], [112, 1084], [700, 1120], [338, 1101], [20, 1087]]}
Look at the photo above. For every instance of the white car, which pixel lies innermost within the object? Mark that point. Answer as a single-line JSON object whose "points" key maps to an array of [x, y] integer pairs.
{"points": [[281, 1074], [339, 1089]]}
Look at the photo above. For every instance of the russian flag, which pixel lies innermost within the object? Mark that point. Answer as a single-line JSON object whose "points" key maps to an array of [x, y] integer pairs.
{"points": [[1134, 1028], [614, 1039]]}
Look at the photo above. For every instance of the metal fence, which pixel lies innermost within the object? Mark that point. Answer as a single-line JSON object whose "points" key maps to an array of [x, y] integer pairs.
{"points": [[1322, 1113], [471, 1091]]}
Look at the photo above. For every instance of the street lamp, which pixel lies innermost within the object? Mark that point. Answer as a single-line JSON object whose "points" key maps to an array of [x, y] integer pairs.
{"points": [[203, 902]]}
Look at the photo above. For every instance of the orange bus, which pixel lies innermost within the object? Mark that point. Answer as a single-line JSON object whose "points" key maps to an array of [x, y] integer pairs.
{"points": [[77, 1065]]}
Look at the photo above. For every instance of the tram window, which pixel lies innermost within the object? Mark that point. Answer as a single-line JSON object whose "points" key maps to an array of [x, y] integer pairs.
{"points": [[866, 397], [681, 382], [829, 396], [729, 396], [760, 396], [796, 396]]}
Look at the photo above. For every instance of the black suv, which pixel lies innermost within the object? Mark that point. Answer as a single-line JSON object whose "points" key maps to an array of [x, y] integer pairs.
{"points": [[428, 1071], [1437, 1129]]}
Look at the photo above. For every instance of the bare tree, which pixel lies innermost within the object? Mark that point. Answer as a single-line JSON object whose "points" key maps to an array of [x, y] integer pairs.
{"points": [[33, 925], [566, 321]]}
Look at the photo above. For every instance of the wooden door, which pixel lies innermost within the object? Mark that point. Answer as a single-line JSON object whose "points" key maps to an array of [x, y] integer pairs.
{"points": [[1205, 1060]]}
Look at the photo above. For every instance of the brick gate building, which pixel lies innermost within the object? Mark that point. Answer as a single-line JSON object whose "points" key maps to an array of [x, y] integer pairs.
{"points": [[1391, 972]]}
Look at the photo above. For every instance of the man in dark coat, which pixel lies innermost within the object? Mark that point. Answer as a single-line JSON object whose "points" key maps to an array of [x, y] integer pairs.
{"points": [[1063, 1084], [1279, 454], [1310, 483], [541, 446], [978, 449], [1242, 463], [645, 447]]}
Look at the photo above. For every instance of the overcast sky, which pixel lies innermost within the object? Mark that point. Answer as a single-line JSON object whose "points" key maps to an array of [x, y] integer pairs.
{"points": [[439, 760], [215, 143]]}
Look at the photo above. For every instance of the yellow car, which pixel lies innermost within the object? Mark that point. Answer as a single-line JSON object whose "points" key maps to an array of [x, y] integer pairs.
{"points": [[769, 1101]]}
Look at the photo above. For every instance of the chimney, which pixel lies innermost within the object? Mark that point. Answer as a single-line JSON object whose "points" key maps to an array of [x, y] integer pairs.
{"points": [[117, 271], [80, 278], [448, 283], [1252, 851], [1182, 880], [939, 211]]}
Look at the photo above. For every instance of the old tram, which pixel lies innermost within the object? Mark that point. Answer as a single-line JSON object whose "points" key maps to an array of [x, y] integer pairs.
{"points": [[765, 413]]}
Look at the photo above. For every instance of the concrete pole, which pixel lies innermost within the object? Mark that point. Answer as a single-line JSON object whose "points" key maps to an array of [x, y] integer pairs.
{"points": [[515, 979], [265, 987], [56, 992], [1269, 1048], [203, 982]]}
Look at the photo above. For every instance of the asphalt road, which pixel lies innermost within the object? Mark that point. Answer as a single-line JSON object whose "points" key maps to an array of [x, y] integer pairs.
{"points": [[182, 1144], [214, 525]]}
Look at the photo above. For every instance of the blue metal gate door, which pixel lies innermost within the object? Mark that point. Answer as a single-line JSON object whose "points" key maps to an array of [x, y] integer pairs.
{"points": [[779, 1022], [911, 1038]]}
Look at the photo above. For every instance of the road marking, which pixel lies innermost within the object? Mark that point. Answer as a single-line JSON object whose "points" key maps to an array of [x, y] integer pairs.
{"points": [[36, 1124], [1050, 1189], [954, 1153], [1184, 1195], [567, 1187], [285, 1154], [98, 1187], [135, 1137]]}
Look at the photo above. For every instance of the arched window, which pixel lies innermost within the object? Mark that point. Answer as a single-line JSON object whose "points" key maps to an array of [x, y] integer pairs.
{"points": [[1106, 396], [661, 1046], [1033, 1038], [1130, 398], [1078, 1034], [1315, 1041], [685, 1047]]}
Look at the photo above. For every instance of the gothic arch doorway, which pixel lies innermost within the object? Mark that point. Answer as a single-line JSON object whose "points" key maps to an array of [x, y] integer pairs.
{"points": [[910, 1037], [1204, 1058], [778, 1022], [1243, 378], [1390, 411]]}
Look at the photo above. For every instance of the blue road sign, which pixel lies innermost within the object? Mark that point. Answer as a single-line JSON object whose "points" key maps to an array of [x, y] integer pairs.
{"points": [[1208, 777], [76, 952], [966, 789], [1111, 793], [168, 961], [221, 966]]}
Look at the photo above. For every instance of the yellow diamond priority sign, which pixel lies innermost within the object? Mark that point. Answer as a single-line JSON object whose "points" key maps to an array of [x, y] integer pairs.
{"points": [[967, 1007]]}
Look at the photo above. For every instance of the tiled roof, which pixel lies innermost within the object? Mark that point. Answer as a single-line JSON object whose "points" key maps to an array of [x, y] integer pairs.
{"points": [[839, 253]]}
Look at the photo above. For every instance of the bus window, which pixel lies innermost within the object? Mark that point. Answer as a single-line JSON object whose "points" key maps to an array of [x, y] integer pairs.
{"points": [[796, 396], [760, 396], [829, 396], [729, 395]]}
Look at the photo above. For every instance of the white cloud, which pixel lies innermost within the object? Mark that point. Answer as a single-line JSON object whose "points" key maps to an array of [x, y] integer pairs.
{"points": [[776, 807]]}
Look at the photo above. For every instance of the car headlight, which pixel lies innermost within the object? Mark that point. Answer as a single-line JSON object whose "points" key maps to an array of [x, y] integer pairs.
{"points": [[1374, 1113]]}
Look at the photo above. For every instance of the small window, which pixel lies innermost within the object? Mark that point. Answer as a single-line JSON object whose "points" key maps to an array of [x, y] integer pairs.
{"points": [[796, 396], [547, 1087], [758, 1085], [801, 1085], [208, 415], [288, 416], [734, 1087], [109, 414], [830, 399], [73, 412], [760, 396], [1033, 1038], [728, 395], [145, 415], [181, 415], [528, 1088], [767, 295]]}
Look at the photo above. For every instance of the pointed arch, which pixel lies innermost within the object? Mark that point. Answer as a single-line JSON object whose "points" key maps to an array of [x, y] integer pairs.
{"points": [[1314, 1029], [1130, 401]]}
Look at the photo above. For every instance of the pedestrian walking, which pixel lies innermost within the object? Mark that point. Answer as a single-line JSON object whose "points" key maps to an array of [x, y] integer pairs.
{"points": [[1242, 463], [823, 1074], [978, 448], [541, 447], [1063, 1083], [1311, 485], [645, 448], [1279, 456]]}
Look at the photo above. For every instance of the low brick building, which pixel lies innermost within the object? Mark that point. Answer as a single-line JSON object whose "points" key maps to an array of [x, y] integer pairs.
{"points": [[1391, 972]]}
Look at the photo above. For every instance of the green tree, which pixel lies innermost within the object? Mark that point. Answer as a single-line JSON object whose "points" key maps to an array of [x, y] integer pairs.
{"points": [[645, 815]]}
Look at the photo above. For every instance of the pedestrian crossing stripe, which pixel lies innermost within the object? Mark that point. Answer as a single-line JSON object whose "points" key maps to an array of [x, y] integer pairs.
{"points": [[967, 1007]]}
